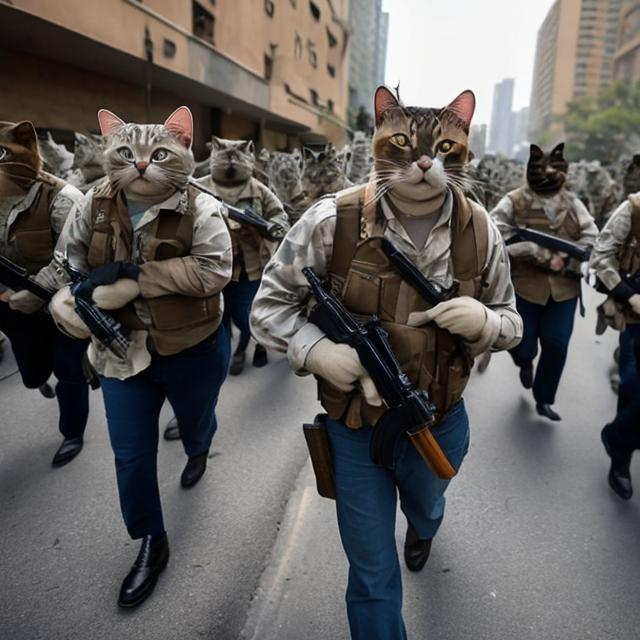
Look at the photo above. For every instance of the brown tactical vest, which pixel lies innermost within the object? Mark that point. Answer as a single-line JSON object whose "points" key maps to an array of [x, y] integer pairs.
{"points": [[532, 282], [174, 322], [361, 274], [31, 234]]}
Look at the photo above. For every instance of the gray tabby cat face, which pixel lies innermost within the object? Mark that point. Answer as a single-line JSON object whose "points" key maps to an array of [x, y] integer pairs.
{"points": [[232, 161], [148, 161], [285, 174], [324, 171], [89, 150]]}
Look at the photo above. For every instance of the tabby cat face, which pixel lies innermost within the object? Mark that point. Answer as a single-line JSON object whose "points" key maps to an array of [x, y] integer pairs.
{"points": [[88, 150], [631, 180], [547, 173], [285, 174], [418, 152], [323, 171], [232, 161], [19, 156], [148, 161]]}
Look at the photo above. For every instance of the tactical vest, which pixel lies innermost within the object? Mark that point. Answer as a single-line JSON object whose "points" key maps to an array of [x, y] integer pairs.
{"points": [[363, 277], [174, 322], [531, 281], [31, 235]]}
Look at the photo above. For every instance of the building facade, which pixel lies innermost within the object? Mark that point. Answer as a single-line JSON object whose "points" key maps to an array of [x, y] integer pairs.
{"points": [[574, 58], [274, 72], [626, 59], [500, 128]]}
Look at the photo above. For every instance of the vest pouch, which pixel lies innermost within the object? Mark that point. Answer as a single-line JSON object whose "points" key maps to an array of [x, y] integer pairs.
{"points": [[99, 248], [35, 246], [361, 292], [163, 249], [181, 312]]}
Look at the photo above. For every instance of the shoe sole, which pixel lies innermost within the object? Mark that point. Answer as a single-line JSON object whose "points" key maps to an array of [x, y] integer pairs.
{"points": [[56, 464], [147, 592]]}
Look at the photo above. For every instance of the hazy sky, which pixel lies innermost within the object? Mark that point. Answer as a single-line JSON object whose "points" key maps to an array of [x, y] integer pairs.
{"points": [[437, 48]]}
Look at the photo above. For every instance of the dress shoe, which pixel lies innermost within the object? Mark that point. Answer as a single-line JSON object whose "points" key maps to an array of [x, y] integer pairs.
{"points": [[47, 391], [67, 451], [141, 580], [172, 431], [259, 356], [619, 474], [526, 375], [194, 470], [416, 551], [237, 363], [546, 411]]}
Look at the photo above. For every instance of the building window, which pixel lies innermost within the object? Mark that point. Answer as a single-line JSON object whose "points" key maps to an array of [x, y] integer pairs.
{"points": [[293, 3], [203, 23], [168, 48], [330, 105], [269, 8], [268, 67], [331, 70], [314, 97], [315, 11], [333, 41], [297, 46], [313, 56]]}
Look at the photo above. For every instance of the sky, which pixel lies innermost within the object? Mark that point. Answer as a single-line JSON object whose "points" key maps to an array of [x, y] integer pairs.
{"points": [[438, 48]]}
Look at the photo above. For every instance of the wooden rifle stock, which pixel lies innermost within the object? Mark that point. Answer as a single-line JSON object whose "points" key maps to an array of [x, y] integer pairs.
{"points": [[432, 454]]}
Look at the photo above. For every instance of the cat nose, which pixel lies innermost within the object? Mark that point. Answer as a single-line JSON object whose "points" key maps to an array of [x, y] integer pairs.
{"points": [[141, 166], [425, 163]]}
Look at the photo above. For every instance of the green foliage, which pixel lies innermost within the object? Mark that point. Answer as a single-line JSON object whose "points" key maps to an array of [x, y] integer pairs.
{"points": [[605, 126]]}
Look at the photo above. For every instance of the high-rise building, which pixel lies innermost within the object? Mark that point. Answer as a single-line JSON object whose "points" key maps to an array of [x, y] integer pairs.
{"points": [[368, 52], [500, 128], [626, 59], [478, 139], [275, 72], [574, 58]]}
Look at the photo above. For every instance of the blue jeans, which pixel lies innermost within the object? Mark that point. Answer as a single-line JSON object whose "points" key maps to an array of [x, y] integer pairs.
{"points": [[190, 381], [550, 324], [624, 431], [238, 298], [366, 509], [40, 350]]}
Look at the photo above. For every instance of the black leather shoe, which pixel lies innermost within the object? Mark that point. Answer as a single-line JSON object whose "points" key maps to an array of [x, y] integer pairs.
{"points": [[141, 580], [619, 473], [416, 551], [237, 363], [259, 356], [526, 376], [172, 431], [546, 411], [194, 470], [67, 451], [47, 391]]}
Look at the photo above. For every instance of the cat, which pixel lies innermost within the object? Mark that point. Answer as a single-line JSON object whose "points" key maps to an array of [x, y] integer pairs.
{"points": [[232, 162], [324, 172], [547, 173], [595, 187], [57, 159], [261, 169], [631, 178], [20, 161], [360, 162], [149, 162], [285, 180]]}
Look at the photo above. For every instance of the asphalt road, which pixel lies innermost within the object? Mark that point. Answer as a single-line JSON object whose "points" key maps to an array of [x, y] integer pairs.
{"points": [[534, 544]]}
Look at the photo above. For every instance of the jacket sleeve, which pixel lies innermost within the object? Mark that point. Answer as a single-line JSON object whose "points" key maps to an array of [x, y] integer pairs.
{"points": [[272, 208], [203, 273], [588, 227]]}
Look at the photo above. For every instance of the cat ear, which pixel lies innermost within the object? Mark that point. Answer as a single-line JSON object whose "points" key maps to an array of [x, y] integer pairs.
{"points": [[296, 152], [558, 149], [24, 133], [109, 122], [464, 106], [248, 147], [307, 154], [180, 124], [382, 101], [535, 152]]}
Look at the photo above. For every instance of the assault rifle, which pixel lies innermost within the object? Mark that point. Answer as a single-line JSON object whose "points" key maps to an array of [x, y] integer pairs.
{"points": [[409, 409], [551, 242], [15, 277], [248, 217]]}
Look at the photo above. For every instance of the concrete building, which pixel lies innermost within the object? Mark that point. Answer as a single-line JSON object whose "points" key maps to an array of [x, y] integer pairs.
{"points": [[626, 60], [500, 128], [574, 58], [478, 139], [368, 53], [275, 72]]}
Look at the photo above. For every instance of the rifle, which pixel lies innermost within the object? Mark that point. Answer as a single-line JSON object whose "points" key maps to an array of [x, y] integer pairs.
{"points": [[247, 217], [409, 409], [17, 278], [551, 242]]}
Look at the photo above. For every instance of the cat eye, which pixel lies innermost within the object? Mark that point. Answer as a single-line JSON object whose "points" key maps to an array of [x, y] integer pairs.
{"points": [[3, 153], [126, 153], [159, 155], [400, 139], [445, 146]]}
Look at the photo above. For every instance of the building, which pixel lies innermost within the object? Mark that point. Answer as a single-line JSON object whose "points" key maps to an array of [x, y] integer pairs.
{"points": [[626, 60], [368, 53], [574, 58], [500, 128], [478, 139], [275, 72]]}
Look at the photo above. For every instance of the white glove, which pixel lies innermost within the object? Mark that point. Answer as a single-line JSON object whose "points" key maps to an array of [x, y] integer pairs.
{"points": [[62, 309], [6, 294], [463, 316], [26, 302], [634, 302], [529, 250], [340, 365], [116, 295]]}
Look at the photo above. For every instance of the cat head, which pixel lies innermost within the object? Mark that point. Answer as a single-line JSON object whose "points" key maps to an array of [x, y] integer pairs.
{"points": [[148, 161], [55, 157], [285, 174], [419, 151], [20, 159], [631, 179], [547, 173], [88, 150], [231, 161], [323, 170]]}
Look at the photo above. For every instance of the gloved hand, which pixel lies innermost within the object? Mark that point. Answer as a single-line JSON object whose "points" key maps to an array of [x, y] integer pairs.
{"points": [[116, 295], [557, 262], [62, 309], [529, 250], [463, 316], [276, 231], [340, 365], [26, 302], [5, 295], [634, 303]]}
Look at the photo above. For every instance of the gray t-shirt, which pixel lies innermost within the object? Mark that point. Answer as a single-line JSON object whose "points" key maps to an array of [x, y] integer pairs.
{"points": [[418, 228]]}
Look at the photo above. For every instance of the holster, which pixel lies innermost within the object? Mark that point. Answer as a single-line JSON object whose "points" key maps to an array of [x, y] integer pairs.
{"points": [[320, 453]]}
